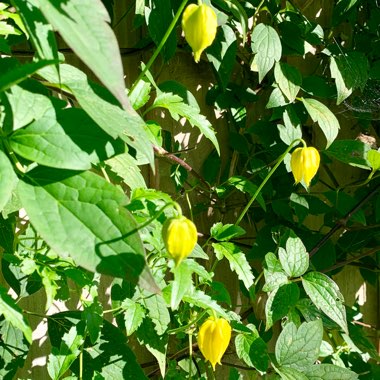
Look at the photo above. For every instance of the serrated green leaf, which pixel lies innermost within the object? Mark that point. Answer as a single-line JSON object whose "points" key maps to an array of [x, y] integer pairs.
{"points": [[177, 108], [288, 373], [82, 215], [8, 180], [299, 348], [294, 259], [252, 349], [288, 79], [325, 294], [133, 316], [238, 261], [158, 312], [204, 301], [373, 157], [329, 372], [225, 232], [279, 302], [266, 46], [49, 278], [60, 360], [91, 38], [182, 283], [273, 273], [12, 313], [350, 72], [326, 120]]}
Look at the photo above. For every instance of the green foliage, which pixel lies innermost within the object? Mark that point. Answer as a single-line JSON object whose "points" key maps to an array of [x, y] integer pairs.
{"points": [[82, 196]]}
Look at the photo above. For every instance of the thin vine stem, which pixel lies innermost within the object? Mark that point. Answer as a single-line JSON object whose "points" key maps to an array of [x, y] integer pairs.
{"points": [[266, 179], [159, 47]]}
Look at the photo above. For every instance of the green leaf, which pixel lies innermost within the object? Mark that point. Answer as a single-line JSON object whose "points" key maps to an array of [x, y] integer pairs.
{"points": [[238, 261], [12, 74], [222, 54], [101, 106], [329, 372], [49, 278], [13, 350], [91, 38], [299, 348], [199, 270], [204, 301], [320, 114], [179, 107], [294, 259], [273, 273], [352, 152], [276, 99], [300, 206], [350, 72], [252, 349], [158, 312], [45, 142], [325, 294], [289, 80], [266, 46], [141, 94], [133, 316], [182, 283], [126, 167], [93, 317], [288, 373], [225, 232], [279, 302], [8, 180], [373, 157], [39, 30], [82, 215], [12, 313]]}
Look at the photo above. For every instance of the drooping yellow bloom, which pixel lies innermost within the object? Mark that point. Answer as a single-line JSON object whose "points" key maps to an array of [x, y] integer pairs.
{"points": [[304, 163], [199, 23], [180, 236], [213, 339]]}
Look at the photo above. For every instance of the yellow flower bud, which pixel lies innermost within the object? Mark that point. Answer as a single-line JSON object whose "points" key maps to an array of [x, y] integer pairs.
{"points": [[199, 23], [304, 164], [180, 236], [213, 339]]}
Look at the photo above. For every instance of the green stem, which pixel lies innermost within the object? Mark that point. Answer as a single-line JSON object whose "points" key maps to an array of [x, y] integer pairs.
{"points": [[266, 179], [160, 46]]}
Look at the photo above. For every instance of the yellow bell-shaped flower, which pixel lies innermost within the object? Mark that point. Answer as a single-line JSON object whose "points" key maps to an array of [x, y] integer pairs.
{"points": [[180, 236], [199, 23], [304, 163], [213, 339]]}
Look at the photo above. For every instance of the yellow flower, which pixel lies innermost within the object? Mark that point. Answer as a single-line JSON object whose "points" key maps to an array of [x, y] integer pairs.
{"points": [[180, 236], [199, 23], [213, 339], [304, 164]]}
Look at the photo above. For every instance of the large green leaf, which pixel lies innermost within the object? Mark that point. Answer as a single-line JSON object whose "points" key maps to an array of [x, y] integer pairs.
{"points": [[325, 294], [12, 313], [83, 24], [39, 30], [329, 372], [266, 46], [81, 215], [238, 261], [294, 259], [45, 142], [350, 72], [8, 179], [289, 373], [157, 312], [101, 106], [320, 114], [299, 348]]}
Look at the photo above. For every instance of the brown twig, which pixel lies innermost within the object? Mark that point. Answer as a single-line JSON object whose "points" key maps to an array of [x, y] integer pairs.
{"points": [[161, 152], [343, 221]]}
